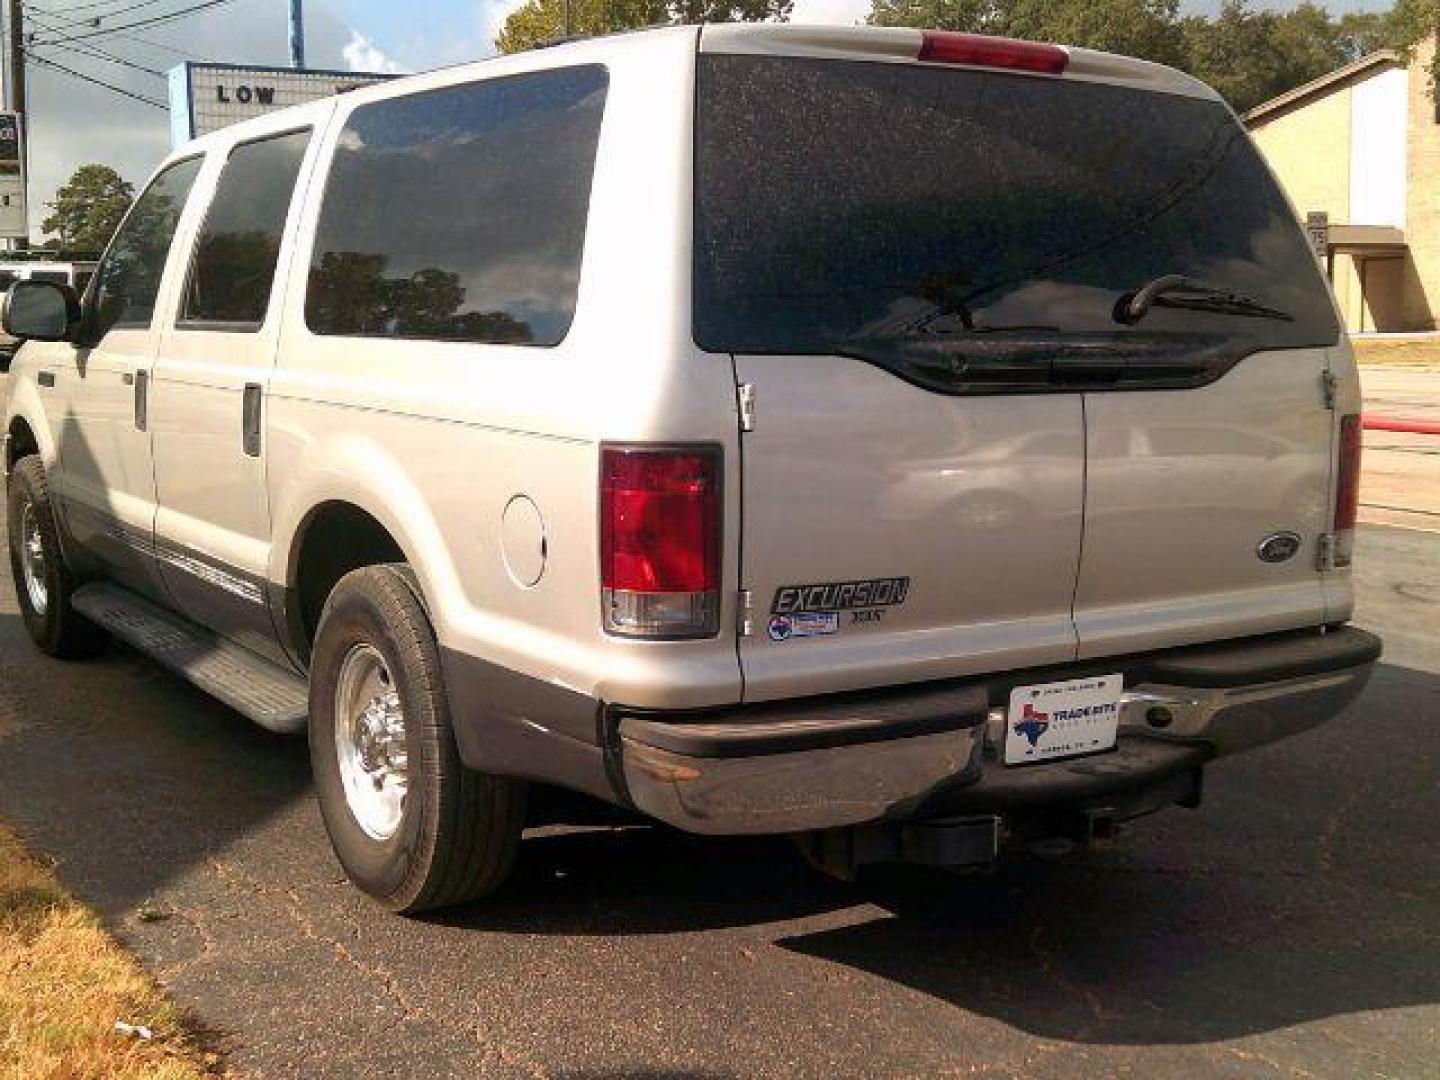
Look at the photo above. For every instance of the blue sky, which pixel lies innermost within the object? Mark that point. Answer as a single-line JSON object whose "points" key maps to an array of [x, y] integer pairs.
{"points": [[73, 122]]}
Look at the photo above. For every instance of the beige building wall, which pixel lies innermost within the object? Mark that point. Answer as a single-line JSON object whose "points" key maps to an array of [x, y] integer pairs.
{"points": [[1421, 299], [1309, 150], [1309, 147]]}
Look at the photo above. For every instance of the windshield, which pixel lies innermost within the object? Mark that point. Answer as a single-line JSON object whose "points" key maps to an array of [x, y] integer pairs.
{"points": [[850, 202]]}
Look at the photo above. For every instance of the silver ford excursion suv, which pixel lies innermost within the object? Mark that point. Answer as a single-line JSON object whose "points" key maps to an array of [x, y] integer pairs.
{"points": [[926, 445]]}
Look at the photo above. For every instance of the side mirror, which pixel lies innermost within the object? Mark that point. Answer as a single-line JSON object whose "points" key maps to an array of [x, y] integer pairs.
{"points": [[40, 311]]}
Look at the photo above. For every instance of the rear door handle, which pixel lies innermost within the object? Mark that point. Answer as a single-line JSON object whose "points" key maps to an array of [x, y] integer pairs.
{"points": [[142, 394], [250, 420]]}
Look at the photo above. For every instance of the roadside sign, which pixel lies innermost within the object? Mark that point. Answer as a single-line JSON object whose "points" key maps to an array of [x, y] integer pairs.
{"points": [[207, 97], [13, 219], [1317, 228]]}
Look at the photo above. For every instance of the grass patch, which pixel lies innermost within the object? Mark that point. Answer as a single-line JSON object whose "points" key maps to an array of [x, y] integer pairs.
{"points": [[64, 982], [1411, 352]]}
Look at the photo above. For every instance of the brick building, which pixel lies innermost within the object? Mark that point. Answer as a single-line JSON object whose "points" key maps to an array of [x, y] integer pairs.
{"points": [[1362, 146]]}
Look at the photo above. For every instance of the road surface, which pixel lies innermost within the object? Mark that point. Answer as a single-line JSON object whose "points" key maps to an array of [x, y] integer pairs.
{"points": [[1291, 927]]}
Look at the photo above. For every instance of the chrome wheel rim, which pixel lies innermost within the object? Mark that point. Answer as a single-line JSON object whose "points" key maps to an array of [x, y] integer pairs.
{"points": [[370, 742], [32, 559]]}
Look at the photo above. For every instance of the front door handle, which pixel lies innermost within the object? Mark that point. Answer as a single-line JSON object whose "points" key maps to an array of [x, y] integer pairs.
{"points": [[250, 420], [142, 393]]}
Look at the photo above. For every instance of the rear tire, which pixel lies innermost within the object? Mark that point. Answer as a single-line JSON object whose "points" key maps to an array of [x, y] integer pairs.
{"points": [[44, 583], [411, 825]]}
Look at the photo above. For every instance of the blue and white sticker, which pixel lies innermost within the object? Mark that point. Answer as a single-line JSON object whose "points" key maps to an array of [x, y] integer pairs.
{"points": [[803, 624]]}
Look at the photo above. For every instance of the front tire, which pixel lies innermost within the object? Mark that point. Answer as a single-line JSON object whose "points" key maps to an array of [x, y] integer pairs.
{"points": [[411, 825], [43, 581]]}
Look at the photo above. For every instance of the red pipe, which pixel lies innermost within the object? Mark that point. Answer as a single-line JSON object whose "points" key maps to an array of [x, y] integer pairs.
{"points": [[1410, 427]]}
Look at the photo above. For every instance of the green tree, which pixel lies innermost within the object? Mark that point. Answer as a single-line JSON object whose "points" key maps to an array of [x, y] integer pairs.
{"points": [[88, 207], [1251, 56], [1409, 22], [1365, 32], [539, 20]]}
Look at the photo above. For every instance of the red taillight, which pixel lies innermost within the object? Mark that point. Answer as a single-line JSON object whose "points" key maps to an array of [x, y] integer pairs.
{"points": [[660, 540], [1347, 480], [947, 47]]}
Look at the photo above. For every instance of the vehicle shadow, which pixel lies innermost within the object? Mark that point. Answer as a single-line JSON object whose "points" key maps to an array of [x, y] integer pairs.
{"points": [[1306, 888], [128, 777], [650, 880]]}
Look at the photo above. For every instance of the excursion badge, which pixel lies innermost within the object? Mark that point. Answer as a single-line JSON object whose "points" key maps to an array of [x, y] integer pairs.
{"points": [[841, 595], [800, 611]]}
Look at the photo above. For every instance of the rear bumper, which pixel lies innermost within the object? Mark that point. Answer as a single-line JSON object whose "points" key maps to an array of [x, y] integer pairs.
{"points": [[918, 753]]}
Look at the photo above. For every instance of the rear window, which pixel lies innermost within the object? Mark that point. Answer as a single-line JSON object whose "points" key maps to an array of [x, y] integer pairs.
{"points": [[839, 202], [459, 214]]}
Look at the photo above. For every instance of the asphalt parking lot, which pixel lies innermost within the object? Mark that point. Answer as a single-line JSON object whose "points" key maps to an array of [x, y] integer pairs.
{"points": [[1291, 927]]}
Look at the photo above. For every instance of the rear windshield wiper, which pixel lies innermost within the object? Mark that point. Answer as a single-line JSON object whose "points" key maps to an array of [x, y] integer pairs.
{"points": [[1186, 294]]}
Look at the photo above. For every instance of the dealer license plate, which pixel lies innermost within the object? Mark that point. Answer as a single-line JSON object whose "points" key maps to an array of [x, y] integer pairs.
{"points": [[1062, 719]]}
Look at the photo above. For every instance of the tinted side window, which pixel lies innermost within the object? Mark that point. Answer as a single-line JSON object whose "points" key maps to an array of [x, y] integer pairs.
{"points": [[459, 214], [234, 262], [128, 280]]}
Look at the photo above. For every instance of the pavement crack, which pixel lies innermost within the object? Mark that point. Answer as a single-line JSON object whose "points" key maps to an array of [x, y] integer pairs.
{"points": [[1051, 970], [407, 1010], [1325, 854]]}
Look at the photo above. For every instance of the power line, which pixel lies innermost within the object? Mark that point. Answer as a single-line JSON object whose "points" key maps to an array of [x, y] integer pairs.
{"points": [[153, 44], [66, 14], [116, 34], [43, 61], [104, 3], [97, 53], [153, 20]]}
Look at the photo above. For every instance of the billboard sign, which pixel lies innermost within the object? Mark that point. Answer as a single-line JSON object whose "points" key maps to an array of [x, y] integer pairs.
{"points": [[13, 220], [207, 97]]}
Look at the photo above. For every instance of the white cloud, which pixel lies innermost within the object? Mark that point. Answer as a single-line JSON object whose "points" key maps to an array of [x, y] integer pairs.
{"points": [[362, 54]]}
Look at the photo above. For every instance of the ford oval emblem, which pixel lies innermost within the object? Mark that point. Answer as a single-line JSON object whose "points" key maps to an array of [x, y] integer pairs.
{"points": [[1278, 547]]}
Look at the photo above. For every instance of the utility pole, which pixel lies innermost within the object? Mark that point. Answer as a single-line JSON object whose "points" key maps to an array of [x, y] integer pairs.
{"points": [[15, 95], [15, 55], [297, 34]]}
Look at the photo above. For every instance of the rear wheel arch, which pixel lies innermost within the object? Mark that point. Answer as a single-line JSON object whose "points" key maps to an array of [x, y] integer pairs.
{"points": [[22, 443], [332, 539]]}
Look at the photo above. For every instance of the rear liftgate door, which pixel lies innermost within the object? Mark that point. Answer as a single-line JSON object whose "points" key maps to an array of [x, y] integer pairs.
{"points": [[941, 287]]}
